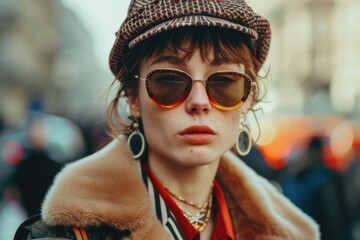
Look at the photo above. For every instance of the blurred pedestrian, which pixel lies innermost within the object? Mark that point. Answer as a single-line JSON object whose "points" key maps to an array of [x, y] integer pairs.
{"points": [[350, 190], [189, 71], [313, 187], [36, 171]]}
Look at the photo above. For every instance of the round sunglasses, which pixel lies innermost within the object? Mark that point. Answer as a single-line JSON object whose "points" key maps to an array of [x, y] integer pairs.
{"points": [[226, 90]]}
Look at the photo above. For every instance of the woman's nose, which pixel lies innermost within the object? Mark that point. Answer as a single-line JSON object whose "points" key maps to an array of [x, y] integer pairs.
{"points": [[198, 100]]}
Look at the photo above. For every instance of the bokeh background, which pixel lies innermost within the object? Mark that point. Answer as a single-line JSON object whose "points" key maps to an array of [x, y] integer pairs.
{"points": [[54, 75]]}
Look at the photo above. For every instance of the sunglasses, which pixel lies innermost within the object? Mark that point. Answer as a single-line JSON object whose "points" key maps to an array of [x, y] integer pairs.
{"points": [[226, 90]]}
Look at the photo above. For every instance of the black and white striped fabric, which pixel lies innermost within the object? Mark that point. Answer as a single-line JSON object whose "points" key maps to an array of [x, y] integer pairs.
{"points": [[164, 215]]}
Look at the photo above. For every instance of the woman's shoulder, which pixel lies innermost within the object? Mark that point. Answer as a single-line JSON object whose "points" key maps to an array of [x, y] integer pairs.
{"points": [[117, 148], [36, 228]]}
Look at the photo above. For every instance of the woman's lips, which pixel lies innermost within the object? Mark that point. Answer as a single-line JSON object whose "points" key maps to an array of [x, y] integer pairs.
{"points": [[198, 134]]}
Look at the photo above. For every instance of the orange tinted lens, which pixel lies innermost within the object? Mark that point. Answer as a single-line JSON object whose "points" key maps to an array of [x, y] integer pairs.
{"points": [[168, 87], [228, 90]]}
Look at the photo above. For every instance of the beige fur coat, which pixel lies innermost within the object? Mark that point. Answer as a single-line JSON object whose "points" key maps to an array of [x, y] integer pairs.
{"points": [[106, 188]]}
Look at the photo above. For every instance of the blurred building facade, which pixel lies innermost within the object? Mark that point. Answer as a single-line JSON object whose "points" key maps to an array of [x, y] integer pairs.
{"points": [[314, 83], [46, 61], [315, 57], [313, 80]]}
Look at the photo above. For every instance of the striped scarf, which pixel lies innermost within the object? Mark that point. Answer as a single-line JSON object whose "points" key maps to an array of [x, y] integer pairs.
{"points": [[163, 214]]}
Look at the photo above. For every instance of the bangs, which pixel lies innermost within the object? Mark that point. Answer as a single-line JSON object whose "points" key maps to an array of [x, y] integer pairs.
{"points": [[219, 44]]}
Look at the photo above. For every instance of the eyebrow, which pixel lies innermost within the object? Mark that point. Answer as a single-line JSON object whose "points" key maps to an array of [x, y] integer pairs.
{"points": [[169, 59], [182, 62]]}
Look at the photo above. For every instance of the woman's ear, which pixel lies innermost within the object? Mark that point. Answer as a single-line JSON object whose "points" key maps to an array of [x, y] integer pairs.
{"points": [[134, 105]]}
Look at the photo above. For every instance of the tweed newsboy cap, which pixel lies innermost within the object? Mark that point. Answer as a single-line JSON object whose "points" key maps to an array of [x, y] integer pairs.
{"points": [[147, 18]]}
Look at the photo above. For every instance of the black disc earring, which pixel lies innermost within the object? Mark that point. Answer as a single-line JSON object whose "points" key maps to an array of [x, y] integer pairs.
{"points": [[136, 142], [244, 140]]}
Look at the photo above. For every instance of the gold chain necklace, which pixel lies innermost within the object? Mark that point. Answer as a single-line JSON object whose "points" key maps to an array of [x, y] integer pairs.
{"points": [[200, 219]]}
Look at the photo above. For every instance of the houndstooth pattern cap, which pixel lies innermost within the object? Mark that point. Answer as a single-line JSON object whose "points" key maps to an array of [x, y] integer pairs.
{"points": [[147, 18]]}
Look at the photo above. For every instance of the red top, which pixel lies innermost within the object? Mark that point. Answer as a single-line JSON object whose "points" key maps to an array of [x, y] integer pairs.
{"points": [[223, 228]]}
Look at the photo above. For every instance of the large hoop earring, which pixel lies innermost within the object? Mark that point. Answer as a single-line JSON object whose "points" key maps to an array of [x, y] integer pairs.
{"points": [[136, 142], [244, 140]]}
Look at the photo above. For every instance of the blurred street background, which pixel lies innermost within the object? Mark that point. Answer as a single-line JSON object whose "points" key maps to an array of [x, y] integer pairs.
{"points": [[54, 75]]}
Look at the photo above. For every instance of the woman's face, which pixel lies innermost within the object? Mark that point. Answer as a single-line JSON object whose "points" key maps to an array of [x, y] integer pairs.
{"points": [[195, 132]]}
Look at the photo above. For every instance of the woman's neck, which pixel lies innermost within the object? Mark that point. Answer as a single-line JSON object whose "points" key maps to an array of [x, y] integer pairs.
{"points": [[192, 183]]}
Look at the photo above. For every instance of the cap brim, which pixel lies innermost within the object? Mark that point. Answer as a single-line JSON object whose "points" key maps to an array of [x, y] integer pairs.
{"points": [[188, 21]]}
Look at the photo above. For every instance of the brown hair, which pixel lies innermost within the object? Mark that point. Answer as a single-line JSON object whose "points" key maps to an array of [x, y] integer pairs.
{"points": [[226, 44]]}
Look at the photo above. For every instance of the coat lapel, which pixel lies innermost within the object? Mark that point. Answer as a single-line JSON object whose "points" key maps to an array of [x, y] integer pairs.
{"points": [[258, 210], [103, 188]]}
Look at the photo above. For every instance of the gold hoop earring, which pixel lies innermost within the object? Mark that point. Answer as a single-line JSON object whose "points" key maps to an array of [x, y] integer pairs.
{"points": [[136, 141], [244, 140]]}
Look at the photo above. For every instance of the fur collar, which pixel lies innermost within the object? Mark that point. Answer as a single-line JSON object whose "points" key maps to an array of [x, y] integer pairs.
{"points": [[106, 188]]}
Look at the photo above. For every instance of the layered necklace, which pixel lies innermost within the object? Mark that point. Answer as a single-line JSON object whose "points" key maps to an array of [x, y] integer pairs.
{"points": [[202, 217]]}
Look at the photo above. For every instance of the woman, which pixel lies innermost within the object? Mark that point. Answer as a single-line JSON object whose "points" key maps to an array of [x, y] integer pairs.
{"points": [[188, 70]]}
